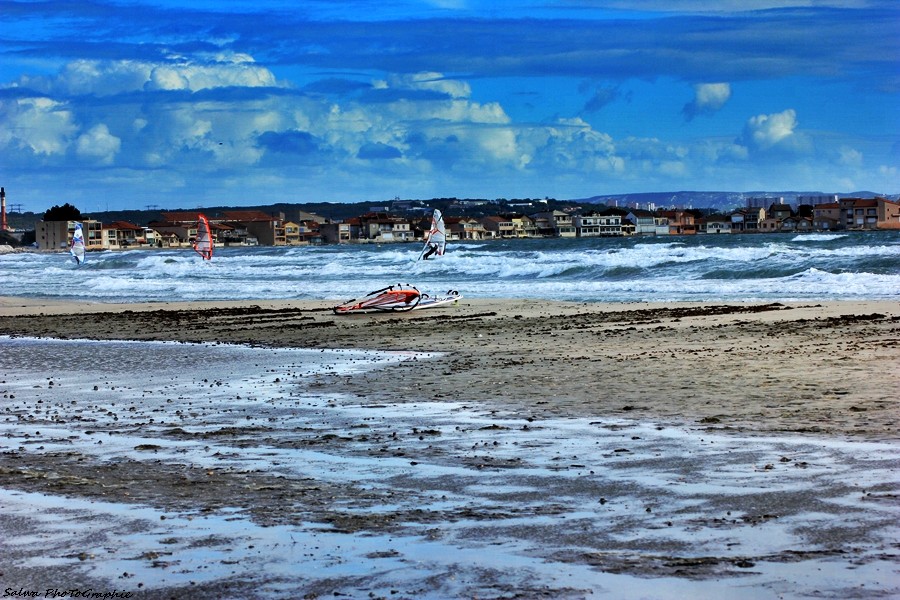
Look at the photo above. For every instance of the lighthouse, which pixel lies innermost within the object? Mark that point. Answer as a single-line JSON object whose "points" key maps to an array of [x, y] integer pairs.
{"points": [[2, 209]]}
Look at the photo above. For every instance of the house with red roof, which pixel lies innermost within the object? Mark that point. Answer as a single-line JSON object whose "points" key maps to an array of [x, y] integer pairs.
{"points": [[122, 234]]}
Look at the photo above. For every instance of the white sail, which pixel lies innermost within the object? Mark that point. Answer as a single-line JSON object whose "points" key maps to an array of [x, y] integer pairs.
{"points": [[77, 247], [436, 240]]}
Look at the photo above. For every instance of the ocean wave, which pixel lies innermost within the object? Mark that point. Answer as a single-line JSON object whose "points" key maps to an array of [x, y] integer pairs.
{"points": [[808, 285], [768, 267], [818, 237]]}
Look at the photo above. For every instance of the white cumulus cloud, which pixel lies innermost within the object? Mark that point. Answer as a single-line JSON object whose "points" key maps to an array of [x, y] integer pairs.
{"points": [[766, 131], [39, 125], [167, 78], [98, 144], [712, 95], [708, 98], [110, 77]]}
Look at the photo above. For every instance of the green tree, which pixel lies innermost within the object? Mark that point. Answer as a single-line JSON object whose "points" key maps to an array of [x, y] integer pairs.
{"points": [[66, 212]]}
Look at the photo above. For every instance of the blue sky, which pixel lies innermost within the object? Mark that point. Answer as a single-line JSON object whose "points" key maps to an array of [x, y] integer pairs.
{"points": [[110, 105]]}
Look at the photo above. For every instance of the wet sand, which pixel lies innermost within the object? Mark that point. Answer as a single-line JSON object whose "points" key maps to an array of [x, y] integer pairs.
{"points": [[826, 368], [670, 449]]}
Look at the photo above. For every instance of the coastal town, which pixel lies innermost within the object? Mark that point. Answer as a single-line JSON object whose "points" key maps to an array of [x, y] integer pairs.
{"points": [[406, 221]]}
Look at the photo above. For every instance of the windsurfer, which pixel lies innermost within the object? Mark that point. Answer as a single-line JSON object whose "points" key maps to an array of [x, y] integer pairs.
{"points": [[432, 248], [77, 246], [203, 243], [436, 237]]}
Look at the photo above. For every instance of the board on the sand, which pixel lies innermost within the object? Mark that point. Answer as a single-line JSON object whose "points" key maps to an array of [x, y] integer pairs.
{"points": [[427, 301], [394, 298]]}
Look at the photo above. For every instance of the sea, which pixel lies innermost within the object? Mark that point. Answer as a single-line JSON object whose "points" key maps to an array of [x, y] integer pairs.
{"points": [[702, 268]]}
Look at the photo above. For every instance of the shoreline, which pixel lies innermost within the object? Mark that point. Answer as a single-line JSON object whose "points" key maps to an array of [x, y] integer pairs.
{"points": [[810, 367]]}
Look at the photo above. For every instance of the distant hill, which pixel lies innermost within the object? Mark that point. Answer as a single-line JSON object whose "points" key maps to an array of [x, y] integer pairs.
{"points": [[721, 201], [685, 199]]}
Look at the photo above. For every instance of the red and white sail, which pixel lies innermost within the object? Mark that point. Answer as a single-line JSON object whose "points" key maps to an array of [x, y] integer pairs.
{"points": [[394, 298], [204, 242]]}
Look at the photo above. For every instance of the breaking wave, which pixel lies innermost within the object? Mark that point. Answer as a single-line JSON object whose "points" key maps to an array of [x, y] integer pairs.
{"points": [[769, 267]]}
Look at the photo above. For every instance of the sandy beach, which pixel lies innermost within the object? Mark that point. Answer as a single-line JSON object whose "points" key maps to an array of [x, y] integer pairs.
{"points": [[799, 393], [815, 367]]}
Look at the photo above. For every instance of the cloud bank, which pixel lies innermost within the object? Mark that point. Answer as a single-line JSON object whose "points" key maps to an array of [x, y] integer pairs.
{"points": [[286, 107]]}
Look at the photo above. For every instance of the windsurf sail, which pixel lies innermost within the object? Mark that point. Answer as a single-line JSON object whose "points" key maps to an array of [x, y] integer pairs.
{"points": [[77, 247], [394, 298], [436, 241], [204, 243]]}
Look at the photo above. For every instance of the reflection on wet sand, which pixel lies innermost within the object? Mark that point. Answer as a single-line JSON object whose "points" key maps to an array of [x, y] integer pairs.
{"points": [[230, 470]]}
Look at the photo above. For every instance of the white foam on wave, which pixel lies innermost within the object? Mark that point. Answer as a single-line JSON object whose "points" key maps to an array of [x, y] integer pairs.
{"points": [[171, 266], [818, 237], [594, 263], [808, 285]]}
